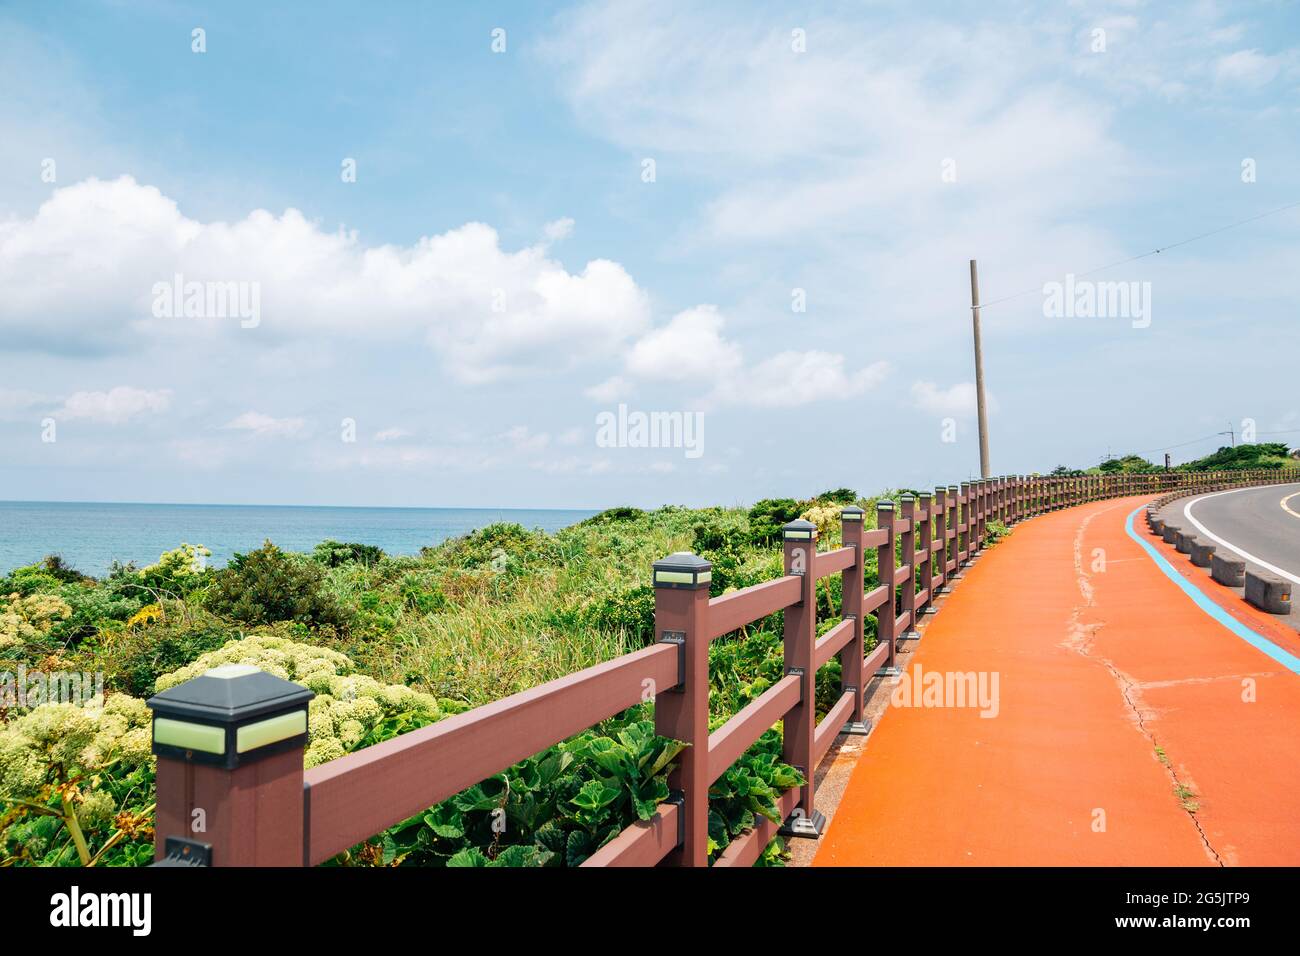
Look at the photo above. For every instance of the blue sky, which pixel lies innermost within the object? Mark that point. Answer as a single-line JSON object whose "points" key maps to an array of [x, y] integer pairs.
{"points": [[500, 272]]}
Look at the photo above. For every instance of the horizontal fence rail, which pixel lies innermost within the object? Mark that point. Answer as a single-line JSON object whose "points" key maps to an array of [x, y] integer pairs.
{"points": [[262, 808]]}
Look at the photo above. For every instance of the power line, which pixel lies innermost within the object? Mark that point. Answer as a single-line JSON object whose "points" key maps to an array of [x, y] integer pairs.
{"points": [[1197, 441], [1194, 441], [1156, 251]]}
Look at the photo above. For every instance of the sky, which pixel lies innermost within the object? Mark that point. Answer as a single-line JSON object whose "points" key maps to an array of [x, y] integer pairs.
{"points": [[421, 254]]}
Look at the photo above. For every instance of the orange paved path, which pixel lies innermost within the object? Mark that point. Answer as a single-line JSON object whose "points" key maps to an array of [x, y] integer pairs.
{"points": [[1096, 670]]}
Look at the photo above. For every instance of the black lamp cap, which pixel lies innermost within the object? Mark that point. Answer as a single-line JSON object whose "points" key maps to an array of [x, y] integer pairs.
{"points": [[682, 570], [234, 695]]}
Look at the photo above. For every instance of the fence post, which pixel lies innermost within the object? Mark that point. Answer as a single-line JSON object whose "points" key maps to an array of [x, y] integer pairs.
{"points": [[800, 634], [681, 586], [907, 553], [940, 571], [924, 544], [852, 586], [885, 572], [967, 501], [229, 745]]}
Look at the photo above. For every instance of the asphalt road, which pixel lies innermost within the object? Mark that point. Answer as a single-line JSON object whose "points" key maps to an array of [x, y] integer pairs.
{"points": [[1261, 524], [1253, 523]]}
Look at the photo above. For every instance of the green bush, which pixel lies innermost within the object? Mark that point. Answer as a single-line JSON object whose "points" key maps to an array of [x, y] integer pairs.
{"points": [[350, 710], [553, 809], [135, 657], [839, 496], [334, 553], [269, 585], [630, 610], [77, 783], [612, 515], [767, 517], [60, 570]]}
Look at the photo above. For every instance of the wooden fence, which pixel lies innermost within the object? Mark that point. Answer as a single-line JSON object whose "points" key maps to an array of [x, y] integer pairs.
{"points": [[230, 743]]}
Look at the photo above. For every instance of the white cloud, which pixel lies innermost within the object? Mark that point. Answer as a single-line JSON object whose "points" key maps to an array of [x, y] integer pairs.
{"points": [[19, 403], [790, 379], [955, 401], [609, 390], [1247, 68], [558, 229], [265, 426], [118, 405], [79, 276], [523, 439], [689, 348]]}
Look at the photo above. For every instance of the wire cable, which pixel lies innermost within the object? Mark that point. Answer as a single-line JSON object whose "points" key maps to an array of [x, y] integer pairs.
{"points": [[1156, 251]]}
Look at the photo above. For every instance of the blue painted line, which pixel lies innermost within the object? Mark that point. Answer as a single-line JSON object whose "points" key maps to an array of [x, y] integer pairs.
{"points": [[1258, 641]]}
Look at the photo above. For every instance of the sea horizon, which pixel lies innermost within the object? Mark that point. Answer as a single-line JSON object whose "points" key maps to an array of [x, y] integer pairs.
{"points": [[91, 535]]}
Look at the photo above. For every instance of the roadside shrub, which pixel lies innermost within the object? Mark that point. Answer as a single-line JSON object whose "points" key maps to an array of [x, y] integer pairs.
{"points": [[767, 517], [827, 520], [29, 579], [269, 585], [500, 548], [135, 657], [26, 620], [557, 807], [712, 535], [630, 610], [747, 790], [334, 553], [612, 515], [840, 496], [78, 785], [177, 572], [63, 572], [92, 608], [349, 711]]}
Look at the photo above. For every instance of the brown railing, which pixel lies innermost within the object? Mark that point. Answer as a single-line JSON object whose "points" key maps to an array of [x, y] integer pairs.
{"points": [[259, 807]]}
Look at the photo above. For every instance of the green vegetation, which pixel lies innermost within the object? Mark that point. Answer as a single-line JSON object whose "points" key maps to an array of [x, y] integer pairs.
{"points": [[390, 644], [1267, 455]]}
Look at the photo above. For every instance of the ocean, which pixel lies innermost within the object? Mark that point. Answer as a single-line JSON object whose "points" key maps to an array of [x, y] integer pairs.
{"points": [[90, 536]]}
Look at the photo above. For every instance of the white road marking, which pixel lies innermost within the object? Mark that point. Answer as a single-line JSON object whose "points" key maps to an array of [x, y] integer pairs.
{"points": [[1284, 506], [1187, 512]]}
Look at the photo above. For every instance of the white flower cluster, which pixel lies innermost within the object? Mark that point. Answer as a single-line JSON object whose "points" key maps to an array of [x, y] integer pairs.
{"points": [[347, 707]]}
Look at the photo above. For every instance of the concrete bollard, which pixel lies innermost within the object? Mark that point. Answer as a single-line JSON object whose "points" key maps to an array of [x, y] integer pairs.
{"points": [[1183, 541], [1268, 592], [1202, 552], [1169, 533], [1158, 527], [1227, 570]]}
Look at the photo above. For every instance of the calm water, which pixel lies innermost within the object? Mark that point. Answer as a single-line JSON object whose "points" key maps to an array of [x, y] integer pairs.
{"points": [[92, 536]]}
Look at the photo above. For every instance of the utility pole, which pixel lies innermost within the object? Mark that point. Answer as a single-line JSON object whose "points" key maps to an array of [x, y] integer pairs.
{"points": [[985, 470]]}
